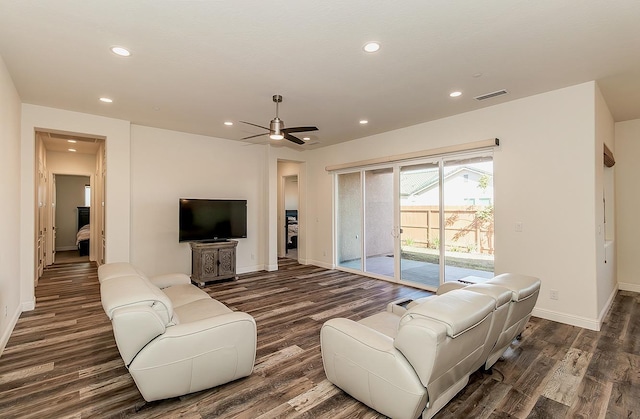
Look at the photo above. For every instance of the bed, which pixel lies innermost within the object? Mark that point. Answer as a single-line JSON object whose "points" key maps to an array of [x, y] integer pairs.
{"points": [[84, 232], [291, 225]]}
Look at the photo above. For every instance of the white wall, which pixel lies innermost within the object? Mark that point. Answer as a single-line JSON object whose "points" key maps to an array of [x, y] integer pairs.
{"points": [[169, 165], [544, 177], [118, 182], [605, 259], [627, 197], [10, 272]]}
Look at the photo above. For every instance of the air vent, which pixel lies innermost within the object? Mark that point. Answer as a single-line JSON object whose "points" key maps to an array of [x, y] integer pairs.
{"points": [[490, 95]]}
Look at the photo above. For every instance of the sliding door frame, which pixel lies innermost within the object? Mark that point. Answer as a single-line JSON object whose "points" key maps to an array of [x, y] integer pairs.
{"points": [[396, 167]]}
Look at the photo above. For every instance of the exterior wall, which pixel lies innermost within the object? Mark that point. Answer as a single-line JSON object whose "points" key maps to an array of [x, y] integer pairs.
{"points": [[627, 199], [551, 135], [10, 297]]}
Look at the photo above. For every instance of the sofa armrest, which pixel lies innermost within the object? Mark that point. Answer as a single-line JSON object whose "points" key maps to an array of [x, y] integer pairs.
{"points": [[195, 356], [365, 364], [167, 280], [450, 286], [190, 340], [133, 328]]}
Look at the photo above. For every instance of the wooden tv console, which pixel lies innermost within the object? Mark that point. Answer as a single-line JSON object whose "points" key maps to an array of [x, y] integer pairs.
{"points": [[213, 261]]}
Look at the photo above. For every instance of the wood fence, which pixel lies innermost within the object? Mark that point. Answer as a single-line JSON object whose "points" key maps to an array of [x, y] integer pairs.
{"points": [[465, 230]]}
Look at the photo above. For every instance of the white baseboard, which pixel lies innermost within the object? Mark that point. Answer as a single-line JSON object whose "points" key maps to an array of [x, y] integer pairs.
{"points": [[607, 306], [587, 323], [250, 269], [7, 333], [319, 263], [626, 286], [584, 322]]}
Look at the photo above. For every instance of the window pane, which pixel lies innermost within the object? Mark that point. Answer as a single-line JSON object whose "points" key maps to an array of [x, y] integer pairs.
{"points": [[87, 196], [349, 222], [468, 218], [420, 224], [378, 231]]}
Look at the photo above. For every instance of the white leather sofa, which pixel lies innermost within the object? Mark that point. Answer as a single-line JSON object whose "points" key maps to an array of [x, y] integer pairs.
{"points": [[173, 337], [516, 296], [412, 359]]}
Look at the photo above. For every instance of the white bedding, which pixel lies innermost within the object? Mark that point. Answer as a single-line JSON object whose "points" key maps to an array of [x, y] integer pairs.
{"points": [[292, 230], [83, 234]]}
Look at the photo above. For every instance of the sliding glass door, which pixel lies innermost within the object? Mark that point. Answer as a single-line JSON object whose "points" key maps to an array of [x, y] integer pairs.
{"points": [[423, 223], [420, 223], [379, 222], [468, 218], [349, 221]]}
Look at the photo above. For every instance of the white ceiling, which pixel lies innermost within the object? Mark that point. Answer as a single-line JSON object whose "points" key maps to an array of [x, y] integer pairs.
{"points": [[196, 64]]}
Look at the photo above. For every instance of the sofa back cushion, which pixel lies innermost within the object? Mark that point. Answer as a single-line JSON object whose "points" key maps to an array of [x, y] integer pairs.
{"points": [[443, 338], [135, 290], [117, 269]]}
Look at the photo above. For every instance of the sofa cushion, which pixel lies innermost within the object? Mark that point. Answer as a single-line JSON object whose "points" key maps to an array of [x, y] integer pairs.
{"points": [[117, 269], [132, 290], [184, 294], [500, 294], [458, 310], [384, 322], [522, 286], [200, 309]]}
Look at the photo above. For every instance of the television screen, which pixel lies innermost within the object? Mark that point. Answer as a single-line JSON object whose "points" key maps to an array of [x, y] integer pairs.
{"points": [[212, 219]]}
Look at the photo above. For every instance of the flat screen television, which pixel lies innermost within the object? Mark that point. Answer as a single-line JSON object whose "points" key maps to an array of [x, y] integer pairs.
{"points": [[209, 220]]}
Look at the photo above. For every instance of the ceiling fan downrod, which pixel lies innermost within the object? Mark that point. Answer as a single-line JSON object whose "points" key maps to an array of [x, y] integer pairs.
{"points": [[276, 125]]}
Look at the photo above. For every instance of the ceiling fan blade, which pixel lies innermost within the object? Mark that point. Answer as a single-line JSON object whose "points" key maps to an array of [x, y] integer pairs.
{"points": [[253, 136], [292, 138], [300, 129], [259, 126]]}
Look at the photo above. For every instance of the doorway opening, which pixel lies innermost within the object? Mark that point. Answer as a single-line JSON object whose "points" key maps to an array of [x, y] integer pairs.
{"points": [[290, 210], [70, 168], [71, 229]]}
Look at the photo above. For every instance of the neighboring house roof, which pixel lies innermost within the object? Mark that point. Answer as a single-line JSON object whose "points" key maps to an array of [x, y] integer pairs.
{"points": [[420, 181]]}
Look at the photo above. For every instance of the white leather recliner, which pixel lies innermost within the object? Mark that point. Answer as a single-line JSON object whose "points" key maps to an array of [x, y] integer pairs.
{"points": [[524, 294], [173, 337], [410, 365], [515, 296]]}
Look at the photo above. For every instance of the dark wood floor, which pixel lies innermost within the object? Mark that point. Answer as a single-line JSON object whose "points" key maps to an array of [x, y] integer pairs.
{"points": [[61, 360]]}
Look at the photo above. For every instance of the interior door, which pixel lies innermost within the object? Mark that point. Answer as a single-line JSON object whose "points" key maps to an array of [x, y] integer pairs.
{"points": [[53, 218]]}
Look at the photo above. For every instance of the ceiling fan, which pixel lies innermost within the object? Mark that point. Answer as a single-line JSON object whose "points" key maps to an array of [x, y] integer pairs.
{"points": [[276, 129]]}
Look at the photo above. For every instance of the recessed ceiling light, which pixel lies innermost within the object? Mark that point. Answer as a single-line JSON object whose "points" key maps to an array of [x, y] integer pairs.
{"points": [[455, 94], [106, 100], [228, 123], [72, 150], [363, 122], [306, 138], [71, 141], [371, 47], [123, 52]]}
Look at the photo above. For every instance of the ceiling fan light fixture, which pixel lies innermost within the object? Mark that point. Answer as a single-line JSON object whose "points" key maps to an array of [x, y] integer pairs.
{"points": [[276, 129]]}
